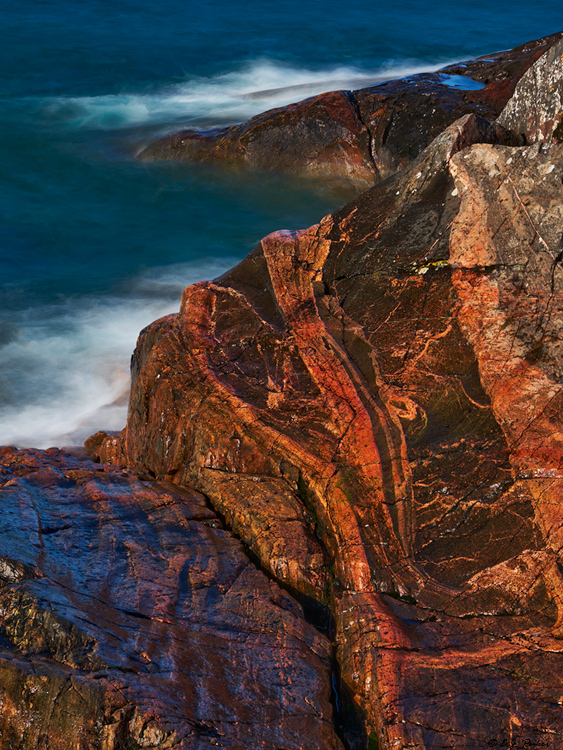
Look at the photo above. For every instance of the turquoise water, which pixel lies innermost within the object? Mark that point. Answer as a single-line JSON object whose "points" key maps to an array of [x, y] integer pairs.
{"points": [[93, 244]]}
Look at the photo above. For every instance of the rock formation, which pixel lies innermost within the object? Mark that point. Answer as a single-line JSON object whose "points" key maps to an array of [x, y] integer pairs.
{"points": [[132, 619], [535, 111], [372, 406], [358, 137]]}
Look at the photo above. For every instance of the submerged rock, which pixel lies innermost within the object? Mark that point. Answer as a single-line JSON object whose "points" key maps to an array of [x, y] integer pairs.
{"points": [[358, 137], [322, 137]]}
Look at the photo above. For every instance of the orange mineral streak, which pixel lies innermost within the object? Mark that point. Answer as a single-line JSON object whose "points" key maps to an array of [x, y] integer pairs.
{"points": [[364, 490], [294, 263]]}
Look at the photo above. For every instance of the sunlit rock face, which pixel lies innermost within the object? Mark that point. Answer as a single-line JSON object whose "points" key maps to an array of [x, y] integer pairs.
{"points": [[360, 400], [535, 111]]}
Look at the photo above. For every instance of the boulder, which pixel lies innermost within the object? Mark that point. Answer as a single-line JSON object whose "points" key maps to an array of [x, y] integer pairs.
{"points": [[535, 111], [105, 448], [358, 137], [321, 137], [130, 618]]}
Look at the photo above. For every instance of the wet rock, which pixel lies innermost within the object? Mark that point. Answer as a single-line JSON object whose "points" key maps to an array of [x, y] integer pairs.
{"points": [[129, 618], [502, 71], [321, 137], [363, 136], [106, 448]]}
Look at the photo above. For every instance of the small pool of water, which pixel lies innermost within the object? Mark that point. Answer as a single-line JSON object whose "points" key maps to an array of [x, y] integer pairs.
{"points": [[461, 82]]}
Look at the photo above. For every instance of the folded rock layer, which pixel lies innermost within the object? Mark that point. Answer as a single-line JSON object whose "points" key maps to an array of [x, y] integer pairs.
{"points": [[396, 371]]}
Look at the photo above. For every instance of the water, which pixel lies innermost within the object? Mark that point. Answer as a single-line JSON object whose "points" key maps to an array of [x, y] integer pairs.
{"points": [[95, 245]]}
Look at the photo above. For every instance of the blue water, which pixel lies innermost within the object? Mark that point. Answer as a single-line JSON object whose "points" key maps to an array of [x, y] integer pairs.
{"points": [[93, 244]]}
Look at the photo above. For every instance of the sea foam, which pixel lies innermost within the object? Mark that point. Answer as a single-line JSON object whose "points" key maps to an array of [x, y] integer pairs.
{"points": [[227, 98], [72, 359]]}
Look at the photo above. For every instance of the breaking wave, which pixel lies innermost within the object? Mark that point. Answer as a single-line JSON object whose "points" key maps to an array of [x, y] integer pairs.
{"points": [[228, 98], [64, 369]]}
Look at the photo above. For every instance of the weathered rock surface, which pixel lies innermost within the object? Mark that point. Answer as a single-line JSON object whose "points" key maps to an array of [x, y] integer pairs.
{"points": [[506, 249], [380, 394], [131, 619], [536, 109], [358, 137]]}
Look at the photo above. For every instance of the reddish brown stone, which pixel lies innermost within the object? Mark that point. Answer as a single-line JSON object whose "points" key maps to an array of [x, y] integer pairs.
{"points": [[129, 618], [106, 448], [506, 248], [358, 137], [335, 364], [502, 71], [320, 137]]}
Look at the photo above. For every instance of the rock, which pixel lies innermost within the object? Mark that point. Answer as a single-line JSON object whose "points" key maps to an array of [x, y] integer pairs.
{"points": [[506, 251], [275, 525], [131, 619], [320, 137], [536, 109], [335, 371], [105, 447], [357, 137]]}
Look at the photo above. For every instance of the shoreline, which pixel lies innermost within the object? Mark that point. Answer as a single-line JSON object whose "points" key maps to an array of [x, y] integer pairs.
{"points": [[361, 419]]}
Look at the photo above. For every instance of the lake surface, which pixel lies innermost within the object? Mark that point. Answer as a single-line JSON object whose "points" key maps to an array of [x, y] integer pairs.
{"points": [[95, 245]]}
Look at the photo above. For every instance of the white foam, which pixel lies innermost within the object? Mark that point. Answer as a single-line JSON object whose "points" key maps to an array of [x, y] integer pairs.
{"points": [[232, 97], [76, 359]]}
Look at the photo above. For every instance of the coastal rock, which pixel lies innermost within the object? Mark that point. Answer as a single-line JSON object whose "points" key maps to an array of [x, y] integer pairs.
{"points": [[373, 407], [129, 618], [536, 109], [506, 248], [106, 448], [358, 137], [321, 137], [337, 370], [502, 71]]}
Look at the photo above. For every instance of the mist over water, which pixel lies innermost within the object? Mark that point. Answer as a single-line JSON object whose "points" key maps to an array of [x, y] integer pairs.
{"points": [[228, 98], [95, 245], [64, 367]]}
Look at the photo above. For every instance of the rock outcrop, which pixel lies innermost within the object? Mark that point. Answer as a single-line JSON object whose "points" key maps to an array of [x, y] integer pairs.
{"points": [[535, 111], [358, 137], [373, 407], [131, 619], [353, 394]]}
